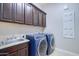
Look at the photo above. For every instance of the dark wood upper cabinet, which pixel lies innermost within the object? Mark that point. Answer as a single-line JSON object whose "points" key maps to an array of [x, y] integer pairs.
{"points": [[35, 16], [28, 14], [39, 17], [24, 13], [19, 12], [7, 13], [44, 20]]}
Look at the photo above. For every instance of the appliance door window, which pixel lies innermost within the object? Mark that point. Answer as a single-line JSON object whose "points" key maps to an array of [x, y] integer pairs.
{"points": [[42, 48]]}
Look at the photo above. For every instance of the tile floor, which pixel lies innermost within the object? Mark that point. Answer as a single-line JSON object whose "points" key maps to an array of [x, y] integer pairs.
{"points": [[58, 52]]}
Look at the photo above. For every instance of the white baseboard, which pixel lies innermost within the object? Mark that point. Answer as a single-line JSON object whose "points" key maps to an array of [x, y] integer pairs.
{"points": [[65, 52]]}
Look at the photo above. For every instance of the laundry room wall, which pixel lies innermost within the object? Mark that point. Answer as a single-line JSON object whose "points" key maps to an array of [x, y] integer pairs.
{"points": [[39, 5], [54, 24], [13, 29]]}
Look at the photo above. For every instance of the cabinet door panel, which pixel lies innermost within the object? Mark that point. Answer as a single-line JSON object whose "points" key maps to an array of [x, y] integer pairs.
{"points": [[13, 54], [23, 52], [0, 11], [19, 16], [7, 11], [40, 18], [35, 17], [28, 14], [21, 46], [44, 20]]}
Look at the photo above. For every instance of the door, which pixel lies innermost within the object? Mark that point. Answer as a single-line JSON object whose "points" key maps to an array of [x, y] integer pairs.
{"points": [[35, 16], [0, 11], [23, 52], [28, 14], [44, 20], [19, 13], [13, 54], [7, 11], [40, 18]]}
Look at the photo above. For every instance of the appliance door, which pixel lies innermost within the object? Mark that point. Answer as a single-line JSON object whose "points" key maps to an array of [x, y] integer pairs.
{"points": [[42, 48], [51, 45], [52, 42]]}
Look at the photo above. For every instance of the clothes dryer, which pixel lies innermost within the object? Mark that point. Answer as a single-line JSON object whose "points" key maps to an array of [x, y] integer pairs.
{"points": [[37, 45], [51, 43]]}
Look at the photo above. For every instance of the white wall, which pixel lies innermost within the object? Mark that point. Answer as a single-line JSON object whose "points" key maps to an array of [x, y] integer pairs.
{"points": [[40, 5], [9, 29], [55, 25]]}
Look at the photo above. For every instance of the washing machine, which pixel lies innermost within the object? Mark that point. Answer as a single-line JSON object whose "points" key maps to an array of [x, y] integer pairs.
{"points": [[37, 45], [51, 43]]}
